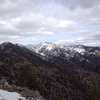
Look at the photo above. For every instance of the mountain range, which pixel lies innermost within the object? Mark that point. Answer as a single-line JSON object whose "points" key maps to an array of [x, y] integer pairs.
{"points": [[80, 55], [56, 71]]}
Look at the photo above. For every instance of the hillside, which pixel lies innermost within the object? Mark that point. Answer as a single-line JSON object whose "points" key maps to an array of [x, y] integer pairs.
{"points": [[53, 80]]}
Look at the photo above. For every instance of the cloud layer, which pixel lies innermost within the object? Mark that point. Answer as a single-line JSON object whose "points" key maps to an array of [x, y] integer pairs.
{"points": [[37, 20]]}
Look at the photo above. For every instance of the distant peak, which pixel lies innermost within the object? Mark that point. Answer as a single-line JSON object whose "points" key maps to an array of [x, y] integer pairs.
{"points": [[6, 43]]}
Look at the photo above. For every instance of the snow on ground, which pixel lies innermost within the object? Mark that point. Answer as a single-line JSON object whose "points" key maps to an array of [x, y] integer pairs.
{"points": [[5, 95]]}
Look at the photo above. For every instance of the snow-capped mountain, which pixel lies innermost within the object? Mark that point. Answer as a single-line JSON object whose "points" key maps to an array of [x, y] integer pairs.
{"points": [[68, 53], [54, 49]]}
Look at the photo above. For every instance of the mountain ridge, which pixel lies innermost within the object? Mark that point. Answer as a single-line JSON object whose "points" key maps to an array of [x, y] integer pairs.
{"points": [[57, 80]]}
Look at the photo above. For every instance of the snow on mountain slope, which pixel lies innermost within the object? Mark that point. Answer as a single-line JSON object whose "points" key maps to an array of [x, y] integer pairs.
{"points": [[56, 49], [5, 95], [44, 45], [63, 53]]}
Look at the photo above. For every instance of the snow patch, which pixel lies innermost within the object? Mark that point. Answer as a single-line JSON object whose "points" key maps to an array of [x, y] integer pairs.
{"points": [[5, 95], [79, 50]]}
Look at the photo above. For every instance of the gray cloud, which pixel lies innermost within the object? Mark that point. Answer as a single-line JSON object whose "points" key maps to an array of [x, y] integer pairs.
{"points": [[31, 18], [79, 3]]}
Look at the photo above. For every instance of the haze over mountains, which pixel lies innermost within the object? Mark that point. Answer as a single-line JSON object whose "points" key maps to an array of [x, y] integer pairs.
{"points": [[56, 72]]}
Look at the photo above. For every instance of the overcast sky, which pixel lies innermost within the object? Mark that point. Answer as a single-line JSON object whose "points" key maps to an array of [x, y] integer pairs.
{"points": [[32, 21]]}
